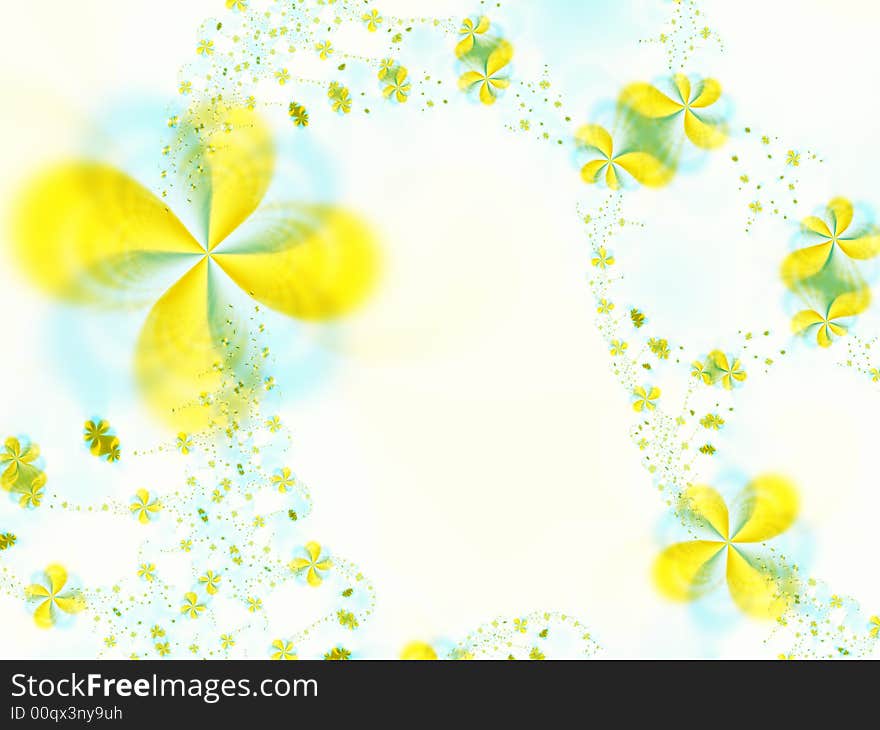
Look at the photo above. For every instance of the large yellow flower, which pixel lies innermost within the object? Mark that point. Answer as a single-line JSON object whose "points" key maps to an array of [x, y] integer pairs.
{"points": [[51, 599], [685, 571], [860, 244], [650, 102], [644, 167], [89, 233], [843, 306]]}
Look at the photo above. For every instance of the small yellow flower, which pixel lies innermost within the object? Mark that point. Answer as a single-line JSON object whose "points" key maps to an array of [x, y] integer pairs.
{"points": [[342, 103], [143, 508], [51, 599], [164, 649], [875, 626], [156, 632], [284, 650], [184, 444], [283, 76], [400, 87], [645, 398], [211, 581], [372, 19], [205, 48], [338, 653], [240, 5], [146, 571], [324, 49], [602, 259], [313, 563], [191, 606], [519, 624], [793, 158], [273, 424], [33, 496], [185, 87], [227, 641], [605, 307], [283, 480], [618, 347], [254, 604], [385, 67]]}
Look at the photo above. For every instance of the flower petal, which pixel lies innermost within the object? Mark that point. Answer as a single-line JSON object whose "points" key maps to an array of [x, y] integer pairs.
{"points": [[649, 101], [682, 571], [310, 262], [705, 135], [849, 304], [590, 172], [841, 211], [645, 168], [593, 135], [770, 504], [805, 262], [709, 92], [499, 58], [57, 576], [753, 590], [705, 503]]}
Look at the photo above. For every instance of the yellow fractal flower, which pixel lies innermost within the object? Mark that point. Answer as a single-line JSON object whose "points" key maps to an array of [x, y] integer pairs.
{"points": [[164, 648], [618, 347], [184, 444], [146, 571], [313, 563], [227, 641], [283, 480], [205, 48], [399, 87], [385, 67], [372, 19], [17, 460], [875, 626], [652, 103], [642, 166], [143, 508], [863, 243], [283, 650], [470, 30], [282, 76], [728, 373], [324, 49], [191, 606], [684, 571], [645, 399], [83, 231], [488, 80], [338, 653], [33, 496], [51, 599], [603, 259], [211, 581], [254, 604], [843, 306]]}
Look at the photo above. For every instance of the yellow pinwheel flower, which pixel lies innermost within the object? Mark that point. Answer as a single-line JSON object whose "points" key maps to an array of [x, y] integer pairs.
{"points": [[143, 508], [863, 243], [618, 347], [205, 48], [254, 604], [51, 599], [87, 232], [211, 581], [400, 87], [284, 650], [17, 460], [418, 651], [341, 101], [875, 626], [699, 371], [385, 67], [191, 606], [338, 654], [372, 19], [645, 398], [146, 571], [727, 373], [33, 496], [324, 49], [282, 76], [227, 641], [164, 648], [686, 571], [283, 479], [843, 306], [652, 103], [184, 444], [602, 259], [93, 433], [488, 80], [642, 166], [313, 563], [470, 30]]}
